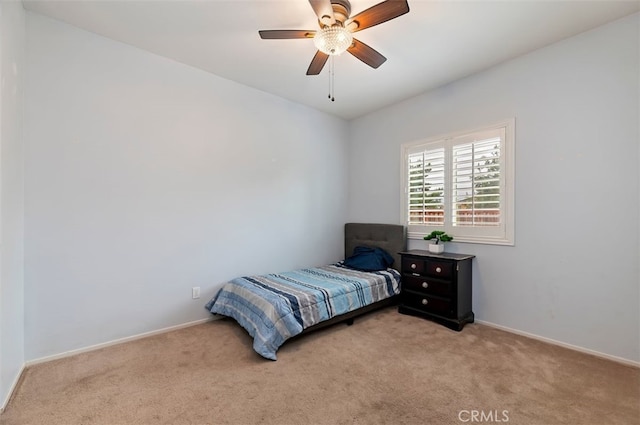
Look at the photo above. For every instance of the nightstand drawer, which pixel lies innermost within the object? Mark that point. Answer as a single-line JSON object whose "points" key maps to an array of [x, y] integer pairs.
{"points": [[412, 265], [427, 304], [426, 285], [441, 269]]}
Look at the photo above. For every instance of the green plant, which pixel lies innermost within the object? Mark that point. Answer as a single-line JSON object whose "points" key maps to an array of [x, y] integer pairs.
{"points": [[439, 236]]}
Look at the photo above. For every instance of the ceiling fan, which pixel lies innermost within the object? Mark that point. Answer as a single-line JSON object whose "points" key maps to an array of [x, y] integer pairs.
{"points": [[336, 28]]}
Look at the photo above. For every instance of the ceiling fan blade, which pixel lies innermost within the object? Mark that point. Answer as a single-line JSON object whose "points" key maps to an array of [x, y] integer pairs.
{"points": [[381, 12], [324, 11], [285, 34], [317, 63], [366, 54]]}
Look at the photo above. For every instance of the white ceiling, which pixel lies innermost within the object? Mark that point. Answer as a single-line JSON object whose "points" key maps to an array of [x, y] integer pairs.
{"points": [[435, 43]]}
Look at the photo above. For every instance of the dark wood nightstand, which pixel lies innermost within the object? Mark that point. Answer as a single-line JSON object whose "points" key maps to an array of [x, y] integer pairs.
{"points": [[437, 287]]}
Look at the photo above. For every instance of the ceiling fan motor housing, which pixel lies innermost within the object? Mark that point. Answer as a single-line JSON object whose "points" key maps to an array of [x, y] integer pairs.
{"points": [[341, 11]]}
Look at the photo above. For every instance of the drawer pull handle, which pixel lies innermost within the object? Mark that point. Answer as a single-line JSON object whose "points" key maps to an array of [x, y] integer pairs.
{"points": [[413, 266], [425, 301], [438, 269], [425, 285]]}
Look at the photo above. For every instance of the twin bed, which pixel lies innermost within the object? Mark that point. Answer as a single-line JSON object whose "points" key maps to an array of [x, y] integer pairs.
{"points": [[276, 307]]}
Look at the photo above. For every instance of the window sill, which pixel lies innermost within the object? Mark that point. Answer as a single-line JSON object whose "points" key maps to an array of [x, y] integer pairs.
{"points": [[462, 239]]}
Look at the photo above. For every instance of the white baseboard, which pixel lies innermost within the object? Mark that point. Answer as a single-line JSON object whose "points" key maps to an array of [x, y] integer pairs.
{"points": [[12, 389], [562, 344], [115, 342]]}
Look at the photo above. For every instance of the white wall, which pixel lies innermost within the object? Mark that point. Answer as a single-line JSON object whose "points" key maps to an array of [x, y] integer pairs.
{"points": [[145, 177], [12, 26], [573, 275]]}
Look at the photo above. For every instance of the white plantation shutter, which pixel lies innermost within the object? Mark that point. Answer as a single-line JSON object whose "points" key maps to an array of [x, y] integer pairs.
{"points": [[426, 187], [462, 184], [476, 179]]}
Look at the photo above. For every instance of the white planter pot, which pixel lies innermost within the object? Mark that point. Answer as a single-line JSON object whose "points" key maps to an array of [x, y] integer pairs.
{"points": [[436, 248]]}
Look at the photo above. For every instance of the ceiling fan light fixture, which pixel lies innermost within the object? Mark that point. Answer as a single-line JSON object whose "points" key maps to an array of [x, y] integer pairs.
{"points": [[333, 40]]}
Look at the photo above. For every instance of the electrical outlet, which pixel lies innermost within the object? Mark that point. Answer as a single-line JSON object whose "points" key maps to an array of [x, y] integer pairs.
{"points": [[195, 292]]}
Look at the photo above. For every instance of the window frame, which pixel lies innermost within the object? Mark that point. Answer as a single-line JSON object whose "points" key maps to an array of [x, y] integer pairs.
{"points": [[504, 234]]}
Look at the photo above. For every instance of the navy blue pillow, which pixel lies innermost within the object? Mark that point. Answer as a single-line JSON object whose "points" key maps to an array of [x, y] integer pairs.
{"points": [[369, 259]]}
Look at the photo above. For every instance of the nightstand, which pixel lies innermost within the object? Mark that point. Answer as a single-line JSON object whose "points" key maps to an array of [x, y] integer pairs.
{"points": [[437, 287]]}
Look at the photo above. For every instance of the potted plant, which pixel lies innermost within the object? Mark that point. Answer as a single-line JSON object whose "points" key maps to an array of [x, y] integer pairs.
{"points": [[436, 237]]}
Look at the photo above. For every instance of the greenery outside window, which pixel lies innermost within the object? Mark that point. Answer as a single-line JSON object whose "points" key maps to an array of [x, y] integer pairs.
{"points": [[463, 184]]}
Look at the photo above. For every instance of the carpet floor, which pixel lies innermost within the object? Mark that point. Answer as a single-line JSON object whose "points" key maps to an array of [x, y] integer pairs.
{"points": [[387, 368]]}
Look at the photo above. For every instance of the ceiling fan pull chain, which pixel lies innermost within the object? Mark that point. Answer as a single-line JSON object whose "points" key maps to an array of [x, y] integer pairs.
{"points": [[332, 84], [330, 62]]}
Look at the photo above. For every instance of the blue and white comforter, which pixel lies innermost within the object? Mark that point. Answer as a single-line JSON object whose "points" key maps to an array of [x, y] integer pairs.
{"points": [[276, 307]]}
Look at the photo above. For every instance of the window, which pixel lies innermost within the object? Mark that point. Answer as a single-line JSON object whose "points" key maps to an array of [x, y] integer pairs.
{"points": [[463, 184]]}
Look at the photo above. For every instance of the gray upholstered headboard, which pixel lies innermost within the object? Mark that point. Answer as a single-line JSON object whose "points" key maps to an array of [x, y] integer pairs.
{"points": [[390, 237]]}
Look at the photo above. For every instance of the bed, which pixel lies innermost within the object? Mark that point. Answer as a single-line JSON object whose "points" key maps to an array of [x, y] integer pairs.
{"points": [[275, 307]]}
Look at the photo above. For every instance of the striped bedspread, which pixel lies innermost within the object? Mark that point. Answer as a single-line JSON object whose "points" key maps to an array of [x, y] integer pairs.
{"points": [[276, 307]]}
